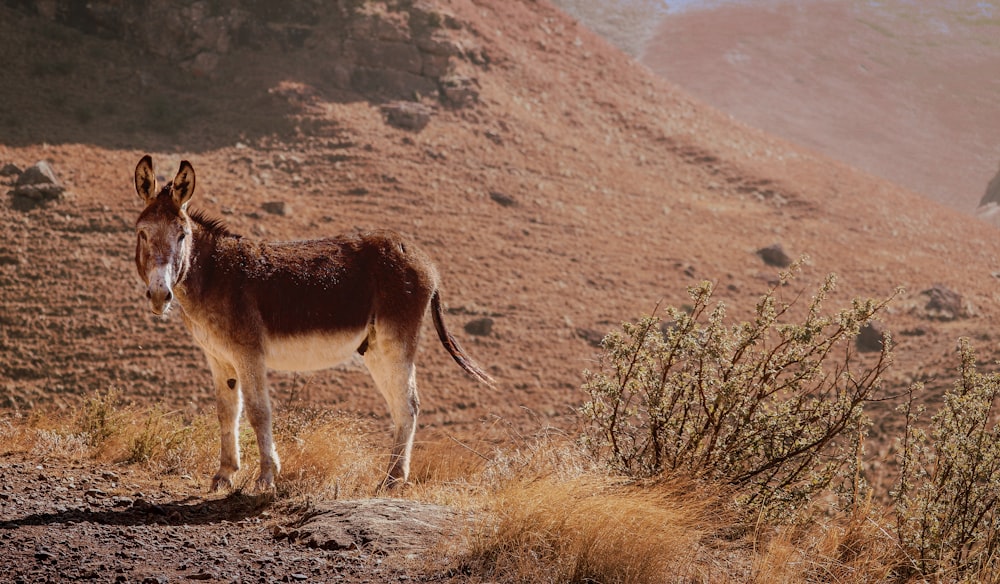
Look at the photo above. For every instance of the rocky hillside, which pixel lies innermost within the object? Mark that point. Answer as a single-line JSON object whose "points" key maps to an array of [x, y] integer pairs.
{"points": [[560, 186]]}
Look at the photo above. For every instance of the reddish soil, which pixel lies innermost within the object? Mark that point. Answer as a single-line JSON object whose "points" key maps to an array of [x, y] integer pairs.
{"points": [[904, 90], [625, 191]]}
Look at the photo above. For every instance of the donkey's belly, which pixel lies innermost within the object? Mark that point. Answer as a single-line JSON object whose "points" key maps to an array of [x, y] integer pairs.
{"points": [[311, 351]]}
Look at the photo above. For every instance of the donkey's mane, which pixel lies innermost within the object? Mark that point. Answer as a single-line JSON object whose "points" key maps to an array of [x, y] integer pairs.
{"points": [[213, 225]]}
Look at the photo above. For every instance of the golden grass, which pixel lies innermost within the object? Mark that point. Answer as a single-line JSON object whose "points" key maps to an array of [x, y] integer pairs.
{"points": [[543, 511], [323, 455], [591, 529]]}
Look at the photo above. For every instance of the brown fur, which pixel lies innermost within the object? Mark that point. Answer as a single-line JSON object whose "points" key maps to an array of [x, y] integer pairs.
{"points": [[291, 305]]}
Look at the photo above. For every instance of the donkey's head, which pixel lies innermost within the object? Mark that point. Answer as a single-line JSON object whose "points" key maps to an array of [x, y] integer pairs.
{"points": [[163, 232]]}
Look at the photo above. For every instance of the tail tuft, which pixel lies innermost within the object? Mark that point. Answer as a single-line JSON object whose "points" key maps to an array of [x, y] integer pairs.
{"points": [[454, 348]]}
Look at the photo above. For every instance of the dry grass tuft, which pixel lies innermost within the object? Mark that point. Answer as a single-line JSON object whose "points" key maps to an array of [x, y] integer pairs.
{"points": [[325, 455], [850, 547], [592, 529]]}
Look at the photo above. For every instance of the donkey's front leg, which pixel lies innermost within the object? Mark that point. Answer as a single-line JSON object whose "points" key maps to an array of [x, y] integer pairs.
{"points": [[258, 407], [227, 406]]}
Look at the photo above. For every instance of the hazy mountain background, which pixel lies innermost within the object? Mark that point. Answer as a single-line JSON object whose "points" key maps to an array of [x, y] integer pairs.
{"points": [[908, 90]]}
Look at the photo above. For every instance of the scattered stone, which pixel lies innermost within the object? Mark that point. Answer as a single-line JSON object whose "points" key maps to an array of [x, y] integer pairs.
{"points": [[480, 327], [593, 337], [407, 115], [36, 186], [459, 91], [871, 338], [277, 208], [502, 199], [944, 303], [774, 255]]}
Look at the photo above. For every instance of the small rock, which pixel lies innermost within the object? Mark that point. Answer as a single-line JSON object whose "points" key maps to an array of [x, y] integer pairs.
{"points": [[593, 337], [870, 338], [277, 208], [502, 199], [480, 327], [10, 169], [36, 186], [459, 91], [944, 303], [774, 255], [407, 115]]}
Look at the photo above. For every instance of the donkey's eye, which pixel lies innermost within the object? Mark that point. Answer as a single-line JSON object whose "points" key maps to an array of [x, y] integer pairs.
{"points": [[180, 238], [142, 236]]}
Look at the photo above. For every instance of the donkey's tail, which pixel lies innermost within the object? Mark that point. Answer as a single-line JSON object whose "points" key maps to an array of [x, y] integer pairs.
{"points": [[453, 347]]}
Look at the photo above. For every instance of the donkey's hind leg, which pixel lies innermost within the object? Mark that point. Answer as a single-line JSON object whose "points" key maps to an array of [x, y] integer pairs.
{"points": [[227, 405], [390, 362]]}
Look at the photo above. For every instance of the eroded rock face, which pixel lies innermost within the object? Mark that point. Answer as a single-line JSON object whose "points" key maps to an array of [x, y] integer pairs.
{"points": [[989, 205], [992, 194], [393, 49]]}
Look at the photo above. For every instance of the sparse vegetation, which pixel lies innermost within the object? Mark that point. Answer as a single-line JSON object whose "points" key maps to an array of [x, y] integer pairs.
{"points": [[682, 417], [947, 498], [770, 407]]}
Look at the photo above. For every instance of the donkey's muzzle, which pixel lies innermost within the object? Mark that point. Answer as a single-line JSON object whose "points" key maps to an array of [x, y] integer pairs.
{"points": [[159, 299]]}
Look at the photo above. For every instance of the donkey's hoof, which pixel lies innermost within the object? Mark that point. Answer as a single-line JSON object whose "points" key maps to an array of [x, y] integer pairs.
{"points": [[221, 482], [391, 485], [264, 486]]}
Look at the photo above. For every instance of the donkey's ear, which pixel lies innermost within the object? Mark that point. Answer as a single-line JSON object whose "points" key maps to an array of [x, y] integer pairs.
{"points": [[145, 179], [183, 186]]}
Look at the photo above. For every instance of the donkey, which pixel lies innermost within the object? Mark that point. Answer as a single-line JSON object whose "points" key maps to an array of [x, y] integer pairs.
{"points": [[294, 306]]}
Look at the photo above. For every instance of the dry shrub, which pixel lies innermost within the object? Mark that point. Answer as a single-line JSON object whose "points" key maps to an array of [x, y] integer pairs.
{"points": [[591, 529], [947, 497], [773, 405]]}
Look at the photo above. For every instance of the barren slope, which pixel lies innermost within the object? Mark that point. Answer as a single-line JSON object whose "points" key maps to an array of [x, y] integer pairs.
{"points": [[625, 192]]}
